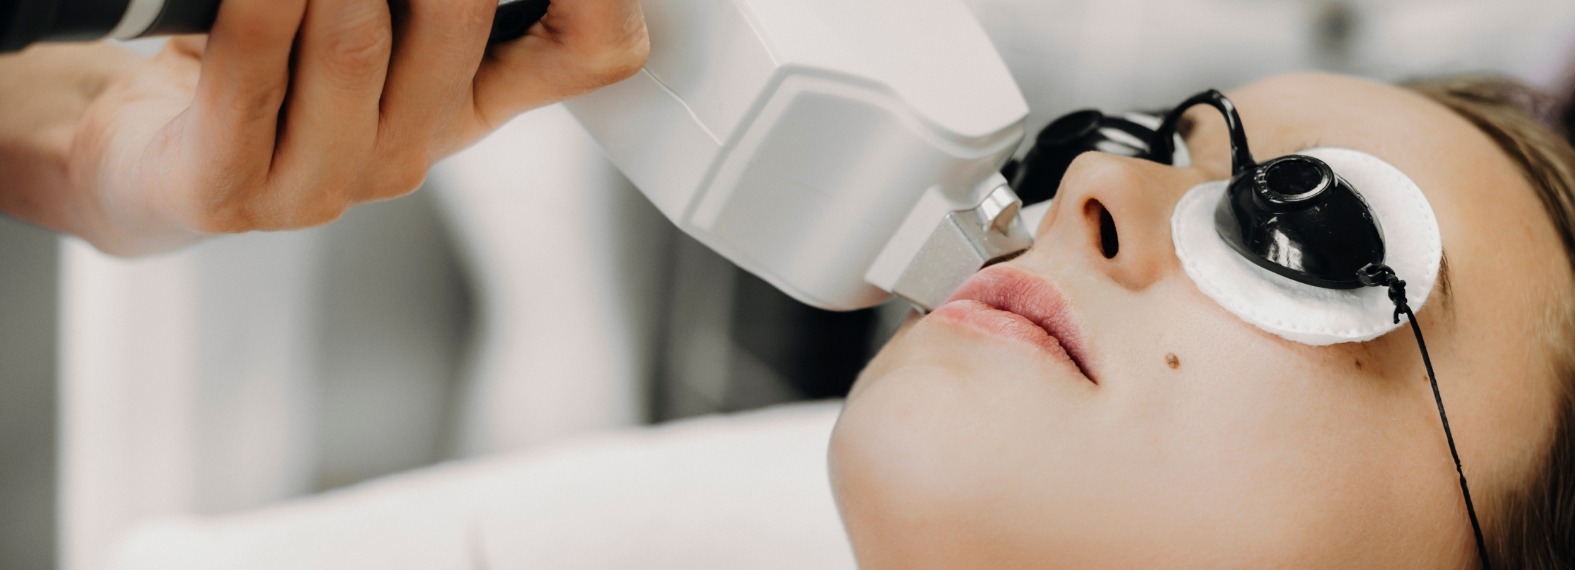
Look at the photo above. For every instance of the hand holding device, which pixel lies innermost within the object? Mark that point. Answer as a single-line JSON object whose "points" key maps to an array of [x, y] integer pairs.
{"points": [[291, 111]]}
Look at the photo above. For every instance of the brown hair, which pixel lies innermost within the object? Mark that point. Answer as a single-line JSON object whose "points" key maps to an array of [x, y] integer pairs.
{"points": [[1535, 528]]}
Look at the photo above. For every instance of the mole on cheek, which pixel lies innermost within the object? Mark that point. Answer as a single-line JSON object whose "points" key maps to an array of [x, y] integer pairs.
{"points": [[1172, 361]]}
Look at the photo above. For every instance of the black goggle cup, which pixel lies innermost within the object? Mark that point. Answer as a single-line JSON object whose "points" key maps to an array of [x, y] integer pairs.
{"points": [[1038, 177], [1295, 217], [1292, 215]]}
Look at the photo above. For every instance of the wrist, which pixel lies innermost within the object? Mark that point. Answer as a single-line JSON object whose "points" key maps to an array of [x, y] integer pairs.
{"points": [[46, 90]]}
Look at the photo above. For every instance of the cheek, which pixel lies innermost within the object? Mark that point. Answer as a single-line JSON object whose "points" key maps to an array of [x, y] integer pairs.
{"points": [[936, 451], [929, 474], [1294, 447], [1252, 449]]}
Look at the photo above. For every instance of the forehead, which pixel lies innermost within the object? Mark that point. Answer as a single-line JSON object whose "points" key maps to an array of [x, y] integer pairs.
{"points": [[1420, 137]]}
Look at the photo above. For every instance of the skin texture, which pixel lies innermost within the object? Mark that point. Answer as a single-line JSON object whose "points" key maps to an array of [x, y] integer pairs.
{"points": [[290, 112], [1207, 443]]}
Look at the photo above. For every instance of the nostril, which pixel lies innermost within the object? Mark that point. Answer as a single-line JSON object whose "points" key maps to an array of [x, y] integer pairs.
{"points": [[1109, 240], [1109, 243]]}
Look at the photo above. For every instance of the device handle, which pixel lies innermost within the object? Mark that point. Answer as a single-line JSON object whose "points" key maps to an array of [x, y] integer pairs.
{"points": [[515, 17], [23, 22]]}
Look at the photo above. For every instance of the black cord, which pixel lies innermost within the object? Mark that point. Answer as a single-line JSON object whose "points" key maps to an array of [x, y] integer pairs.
{"points": [[1382, 276], [1162, 148]]}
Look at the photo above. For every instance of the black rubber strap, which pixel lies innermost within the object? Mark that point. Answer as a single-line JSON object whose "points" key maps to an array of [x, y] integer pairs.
{"points": [[1383, 276], [184, 17]]}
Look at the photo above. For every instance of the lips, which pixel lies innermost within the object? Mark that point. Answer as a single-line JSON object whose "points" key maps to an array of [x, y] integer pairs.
{"points": [[1007, 302]]}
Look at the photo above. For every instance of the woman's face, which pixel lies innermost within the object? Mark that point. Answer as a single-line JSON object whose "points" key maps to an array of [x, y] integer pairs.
{"points": [[1199, 440]]}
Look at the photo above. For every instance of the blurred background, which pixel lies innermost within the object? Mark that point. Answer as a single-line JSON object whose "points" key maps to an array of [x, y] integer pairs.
{"points": [[528, 293]]}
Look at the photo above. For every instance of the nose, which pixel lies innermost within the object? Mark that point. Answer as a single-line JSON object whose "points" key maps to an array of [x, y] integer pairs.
{"points": [[1114, 213]]}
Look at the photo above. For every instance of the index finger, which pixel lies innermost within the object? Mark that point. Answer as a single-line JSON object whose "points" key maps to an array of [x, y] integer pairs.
{"points": [[593, 23], [580, 45], [246, 74]]}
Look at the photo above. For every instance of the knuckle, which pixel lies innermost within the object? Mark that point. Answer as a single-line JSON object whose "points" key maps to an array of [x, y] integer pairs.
{"points": [[460, 19], [361, 48], [306, 207], [261, 100], [318, 209], [228, 217], [259, 32], [220, 222], [618, 63], [269, 207], [405, 179], [228, 211], [325, 213]]}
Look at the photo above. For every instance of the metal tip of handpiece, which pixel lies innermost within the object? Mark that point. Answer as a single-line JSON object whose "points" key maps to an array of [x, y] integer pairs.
{"points": [[963, 243]]}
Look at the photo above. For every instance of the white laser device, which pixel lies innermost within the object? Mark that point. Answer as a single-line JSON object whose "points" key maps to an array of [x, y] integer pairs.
{"points": [[842, 150]]}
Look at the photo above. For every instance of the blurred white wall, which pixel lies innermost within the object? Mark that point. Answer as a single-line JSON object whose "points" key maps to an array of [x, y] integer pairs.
{"points": [[187, 383], [254, 368], [569, 264], [1149, 54]]}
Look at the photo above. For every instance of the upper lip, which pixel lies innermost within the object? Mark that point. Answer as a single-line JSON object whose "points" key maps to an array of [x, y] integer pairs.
{"points": [[1016, 291]]}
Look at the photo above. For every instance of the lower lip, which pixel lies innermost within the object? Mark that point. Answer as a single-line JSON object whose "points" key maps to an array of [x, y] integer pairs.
{"points": [[984, 318]]}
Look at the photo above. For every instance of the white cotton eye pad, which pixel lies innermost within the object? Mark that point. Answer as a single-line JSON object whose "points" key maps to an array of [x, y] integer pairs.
{"points": [[1304, 313]]}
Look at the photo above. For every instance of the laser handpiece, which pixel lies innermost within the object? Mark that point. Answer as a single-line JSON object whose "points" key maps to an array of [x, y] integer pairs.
{"points": [[842, 150]]}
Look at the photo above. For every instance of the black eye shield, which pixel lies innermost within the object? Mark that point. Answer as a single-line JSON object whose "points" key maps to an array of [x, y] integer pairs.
{"points": [[1291, 215]]}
